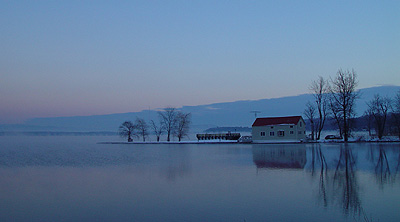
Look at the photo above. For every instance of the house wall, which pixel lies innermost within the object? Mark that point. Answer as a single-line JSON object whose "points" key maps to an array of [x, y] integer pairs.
{"points": [[298, 132]]}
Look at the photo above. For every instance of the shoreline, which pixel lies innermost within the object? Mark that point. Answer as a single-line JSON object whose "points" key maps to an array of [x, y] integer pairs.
{"points": [[234, 142]]}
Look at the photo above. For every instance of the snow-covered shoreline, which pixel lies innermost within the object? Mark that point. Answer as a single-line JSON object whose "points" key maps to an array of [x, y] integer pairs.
{"points": [[265, 142], [176, 142]]}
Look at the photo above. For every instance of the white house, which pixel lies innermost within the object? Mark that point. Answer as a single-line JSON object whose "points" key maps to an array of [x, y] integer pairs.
{"points": [[288, 129]]}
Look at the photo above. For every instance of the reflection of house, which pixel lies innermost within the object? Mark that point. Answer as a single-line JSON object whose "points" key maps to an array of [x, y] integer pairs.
{"points": [[282, 156], [291, 128]]}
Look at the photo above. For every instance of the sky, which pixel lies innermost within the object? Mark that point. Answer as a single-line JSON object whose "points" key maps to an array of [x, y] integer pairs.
{"points": [[72, 58]]}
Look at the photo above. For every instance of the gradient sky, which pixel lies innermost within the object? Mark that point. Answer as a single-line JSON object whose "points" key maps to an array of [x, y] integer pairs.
{"points": [[67, 58]]}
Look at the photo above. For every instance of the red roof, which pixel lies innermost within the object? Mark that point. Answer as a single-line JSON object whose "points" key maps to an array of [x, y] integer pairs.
{"points": [[276, 120]]}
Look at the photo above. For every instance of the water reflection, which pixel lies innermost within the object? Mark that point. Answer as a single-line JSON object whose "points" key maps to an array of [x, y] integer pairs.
{"points": [[177, 163], [383, 173], [188, 182], [337, 183], [345, 181], [318, 159], [282, 157], [172, 161], [336, 169]]}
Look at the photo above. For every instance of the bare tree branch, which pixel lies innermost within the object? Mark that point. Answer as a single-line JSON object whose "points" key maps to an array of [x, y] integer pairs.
{"points": [[309, 112], [142, 128], [168, 120], [396, 113], [319, 88], [182, 125], [378, 108], [342, 100], [157, 129], [127, 129]]}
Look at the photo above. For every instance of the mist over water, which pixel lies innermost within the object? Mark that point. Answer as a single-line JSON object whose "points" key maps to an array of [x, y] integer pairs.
{"points": [[72, 178]]}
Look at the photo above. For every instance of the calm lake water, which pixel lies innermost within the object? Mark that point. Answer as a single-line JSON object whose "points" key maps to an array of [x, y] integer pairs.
{"points": [[72, 178]]}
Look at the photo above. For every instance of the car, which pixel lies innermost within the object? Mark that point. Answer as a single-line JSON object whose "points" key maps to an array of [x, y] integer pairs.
{"points": [[245, 139], [333, 137]]}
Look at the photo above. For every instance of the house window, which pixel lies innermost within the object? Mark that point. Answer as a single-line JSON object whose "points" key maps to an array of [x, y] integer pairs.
{"points": [[291, 126], [300, 124], [291, 132], [281, 133], [304, 132], [271, 133], [272, 127], [262, 134]]}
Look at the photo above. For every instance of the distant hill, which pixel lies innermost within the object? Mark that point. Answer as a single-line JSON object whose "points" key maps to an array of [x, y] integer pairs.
{"points": [[228, 114]]}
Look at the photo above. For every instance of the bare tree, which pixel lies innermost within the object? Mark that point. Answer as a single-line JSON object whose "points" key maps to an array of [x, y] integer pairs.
{"points": [[336, 116], [368, 117], [168, 120], [182, 124], [319, 88], [343, 96], [127, 130], [309, 112], [157, 129], [142, 128], [396, 112], [378, 108]]}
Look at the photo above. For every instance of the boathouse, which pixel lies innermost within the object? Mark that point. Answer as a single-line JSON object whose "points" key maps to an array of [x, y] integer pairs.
{"points": [[279, 129]]}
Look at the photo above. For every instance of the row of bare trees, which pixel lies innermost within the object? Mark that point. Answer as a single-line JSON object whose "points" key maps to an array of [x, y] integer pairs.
{"points": [[129, 129], [171, 121], [333, 98]]}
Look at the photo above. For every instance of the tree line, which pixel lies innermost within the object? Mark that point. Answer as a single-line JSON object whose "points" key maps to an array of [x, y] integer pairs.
{"points": [[334, 100], [171, 121]]}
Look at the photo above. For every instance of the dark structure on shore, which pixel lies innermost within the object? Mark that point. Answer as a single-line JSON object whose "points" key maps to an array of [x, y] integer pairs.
{"points": [[218, 136]]}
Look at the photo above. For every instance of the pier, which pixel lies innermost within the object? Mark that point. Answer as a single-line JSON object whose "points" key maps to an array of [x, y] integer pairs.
{"points": [[218, 136]]}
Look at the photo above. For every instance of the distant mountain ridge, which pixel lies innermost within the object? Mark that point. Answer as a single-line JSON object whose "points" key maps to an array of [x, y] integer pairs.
{"points": [[226, 114]]}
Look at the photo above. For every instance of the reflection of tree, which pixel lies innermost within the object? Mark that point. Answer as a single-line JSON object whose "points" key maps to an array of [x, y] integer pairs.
{"points": [[176, 163], [338, 182], [177, 170], [345, 181], [318, 159], [398, 164], [370, 154], [383, 171], [382, 168]]}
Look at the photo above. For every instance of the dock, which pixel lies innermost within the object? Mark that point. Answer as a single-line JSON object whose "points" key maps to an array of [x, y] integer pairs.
{"points": [[218, 136]]}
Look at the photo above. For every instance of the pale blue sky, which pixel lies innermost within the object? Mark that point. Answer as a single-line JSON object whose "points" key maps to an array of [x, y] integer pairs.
{"points": [[65, 58]]}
